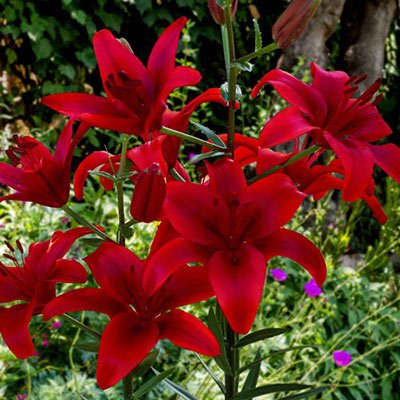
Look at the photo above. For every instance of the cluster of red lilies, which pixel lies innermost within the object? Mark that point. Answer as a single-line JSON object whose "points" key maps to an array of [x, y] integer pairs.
{"points": [[215, 237]]}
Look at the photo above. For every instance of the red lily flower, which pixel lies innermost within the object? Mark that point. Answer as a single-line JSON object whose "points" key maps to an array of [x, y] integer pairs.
{"points": [[317, 180], [335, 121], [233, 229], [34, 283], [136, 95], [37, 175], [138, 321]]}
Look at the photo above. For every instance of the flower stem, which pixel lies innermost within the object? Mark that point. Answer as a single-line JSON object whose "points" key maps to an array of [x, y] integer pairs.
{"points": [[295, 158], [267, 49], [83, 221], [120, 191], [232, 78], [232, 353], [190, 138]]}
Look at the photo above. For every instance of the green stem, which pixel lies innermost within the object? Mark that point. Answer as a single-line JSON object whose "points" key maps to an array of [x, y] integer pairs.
{"points": [[190, 138], [120, 192], [176, 175], [127, 386], [225, 45], [232, 79], [83, 221], [28, 379], [232, 353], [267, 49], [82, 326], [295, 158]]}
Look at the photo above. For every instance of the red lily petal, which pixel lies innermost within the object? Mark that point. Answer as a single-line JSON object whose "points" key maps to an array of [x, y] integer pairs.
{"points": [[186, 331], [113, 57], [288, 124], [91, 162], [238, 280], [273, 200], [89, 299], [296, 93], [14, 327], [125, 342], [11, 176], [358, 163], [8, 290], [167, 260], [196, 212], [376, 208], [68, 271], [162, 57], [64, 143], [94, 110], [227, 178], [180, 76], [268, 159], [291, 244], [387, 156], [114, 268], [165, 233], [187, 285], [331, 84], [43, 255]]}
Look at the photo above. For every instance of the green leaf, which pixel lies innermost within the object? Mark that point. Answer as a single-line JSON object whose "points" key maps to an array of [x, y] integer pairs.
{"points": [[274, 352], [213, 376], [216, 329], [306, 394], [68, 70], [386, 389], [146, 364], [42, 48], [102, 174], [179, 390], [252, 377], [258, 37], [79, 16], [225, 92], [265, 389], [260, 335], [210, 134], [87, 57], [204, 156], [92, 346], [152, 382], [11, 56], [93, 242]]}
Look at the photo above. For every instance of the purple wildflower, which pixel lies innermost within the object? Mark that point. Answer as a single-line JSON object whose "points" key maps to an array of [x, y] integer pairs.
{"points": [[278, 274], [56, 325], [312, 289], [341, 358]]}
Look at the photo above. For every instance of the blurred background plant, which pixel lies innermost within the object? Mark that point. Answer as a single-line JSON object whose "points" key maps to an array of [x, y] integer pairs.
{"points": [[48, 50]]}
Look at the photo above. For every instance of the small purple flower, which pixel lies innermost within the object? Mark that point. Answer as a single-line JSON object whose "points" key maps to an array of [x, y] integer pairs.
{"points": [[21, 396], [65, 221], [341, 358], [56, 325], [45, 342], [312, 289], [278, 274]]}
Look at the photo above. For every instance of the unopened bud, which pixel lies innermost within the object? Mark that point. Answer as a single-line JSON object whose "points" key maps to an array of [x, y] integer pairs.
{"points": [[293, 21], [170, 150], [149, 195], [218, 12]]}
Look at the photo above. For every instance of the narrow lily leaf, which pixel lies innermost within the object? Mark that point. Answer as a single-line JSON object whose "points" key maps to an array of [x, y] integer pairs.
{"points": [[224, 89], [204, 156], [93, 242], [210, 134], [258, 37], [260, 335], [265, 389], [306, 394], [92, 346], [102, 174], [152, 382], [146, 364], [213, 376], [179, 390], [252, 377], [216, 329]]}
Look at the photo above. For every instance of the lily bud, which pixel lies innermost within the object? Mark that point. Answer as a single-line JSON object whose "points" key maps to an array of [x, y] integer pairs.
{"points": [[293, 21], [218, 12], [170, 150], [148, 195]]}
